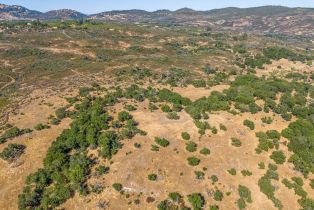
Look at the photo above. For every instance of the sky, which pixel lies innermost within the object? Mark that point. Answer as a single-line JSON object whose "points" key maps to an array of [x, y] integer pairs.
{"points": [[96, 6]]}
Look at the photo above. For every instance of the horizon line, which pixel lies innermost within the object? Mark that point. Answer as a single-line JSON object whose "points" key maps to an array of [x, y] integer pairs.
{"points": [[196, 10]]}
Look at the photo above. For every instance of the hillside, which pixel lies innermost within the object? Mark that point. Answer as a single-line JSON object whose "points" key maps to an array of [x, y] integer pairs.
{"points": [[265, 20], [64, 14], [262, 20], [21, 13], [156, 110], [16, 13]]}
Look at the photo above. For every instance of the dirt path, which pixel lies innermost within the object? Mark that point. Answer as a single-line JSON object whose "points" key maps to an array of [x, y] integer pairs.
{"points": [[9, 83], [65, 34]]}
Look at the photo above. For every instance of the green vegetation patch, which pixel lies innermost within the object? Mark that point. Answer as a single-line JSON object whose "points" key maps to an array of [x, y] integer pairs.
{"points": [[245, 197], [278, 156], [193, 161], [12, 152], [162, 142]]}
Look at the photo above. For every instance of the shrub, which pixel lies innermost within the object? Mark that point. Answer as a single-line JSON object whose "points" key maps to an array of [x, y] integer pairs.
{"points": [[97, 188], [199, 83], [129, 107], [116, 124], [100, 170], [175, 197], [245, 193], [214, 179], [261, 165], [13, 132], [312, 183], [222, 127], [41, 126], [218, 195], [152, 177], [205, 151], [297, 186], [154, 148], [152, 107], [246, 173], [177, 107], [241, 203], [162, 141], [193, 161], [278, 156], [266, 186], [55, 121], [185, 136], [273, 134], [254, 108], [298, 180], [137, 145], [202, 125], [61, 113], [267, 120], [199, 174], [117, 186], [299, 134], [236, 142], [12, 152], [196, 200], [209, 70], [173, 116], [265, 143], [214, 207], [84, 91], [232, 171], [165, 108], [109, 144], [250, 124], [166, 204], [175, 98], [286, 116], [78, 168], [124, 116], [214, 130], [191, 146]]}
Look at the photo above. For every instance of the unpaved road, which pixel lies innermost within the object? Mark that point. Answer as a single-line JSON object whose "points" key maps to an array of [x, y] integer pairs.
{"points": [[9, 83]]}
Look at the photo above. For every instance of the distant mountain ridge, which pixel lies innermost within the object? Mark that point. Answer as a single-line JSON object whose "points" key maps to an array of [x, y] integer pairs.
{"points": [[265, 19], [16, 12]]}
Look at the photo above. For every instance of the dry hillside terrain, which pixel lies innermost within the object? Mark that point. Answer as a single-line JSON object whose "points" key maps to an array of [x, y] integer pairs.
{"points": [[98, 115]]}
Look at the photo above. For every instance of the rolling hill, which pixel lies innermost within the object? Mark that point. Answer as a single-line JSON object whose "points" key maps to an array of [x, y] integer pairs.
{"points": [[260, 20]]}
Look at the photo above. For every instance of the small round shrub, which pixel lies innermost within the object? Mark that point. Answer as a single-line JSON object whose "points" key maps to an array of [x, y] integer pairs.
{"points": [[250, 124], [205, 151], [162, 141], [278, 156], [191, 146], [232, 171], [117, 186], [218, 195], [152, 177], [193, 161], [185, 136]]}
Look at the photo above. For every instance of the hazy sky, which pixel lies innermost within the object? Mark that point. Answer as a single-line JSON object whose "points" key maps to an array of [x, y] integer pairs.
{"points": [[94, 6]]}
